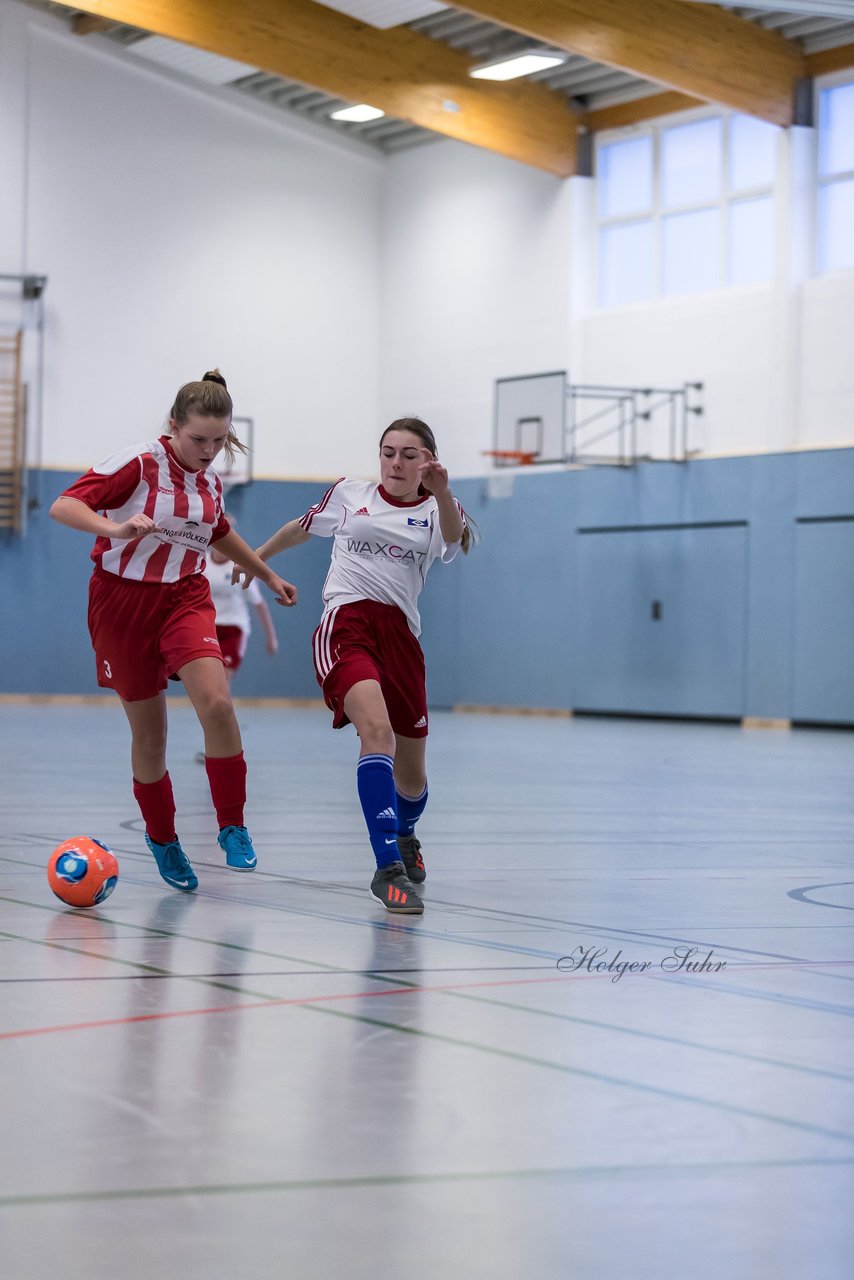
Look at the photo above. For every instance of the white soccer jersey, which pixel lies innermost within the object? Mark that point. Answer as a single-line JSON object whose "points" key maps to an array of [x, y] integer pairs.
{"points": [[383, 547], [231, 603], [186, 506]]}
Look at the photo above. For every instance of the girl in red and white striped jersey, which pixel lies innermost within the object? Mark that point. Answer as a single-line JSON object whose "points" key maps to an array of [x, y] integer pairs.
{"points": [[155, 509], [366, 652]]}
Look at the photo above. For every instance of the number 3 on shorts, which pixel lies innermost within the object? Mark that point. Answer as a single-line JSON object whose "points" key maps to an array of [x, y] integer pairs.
{"points": [[107, 672]]}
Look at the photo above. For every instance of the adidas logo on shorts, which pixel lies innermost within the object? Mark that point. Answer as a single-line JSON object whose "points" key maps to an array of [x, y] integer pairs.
{"points": [[420, 724]]}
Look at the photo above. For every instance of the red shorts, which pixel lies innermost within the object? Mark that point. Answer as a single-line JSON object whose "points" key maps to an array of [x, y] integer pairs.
{"points": [[372, 641], [143, 632], [232, 642]]}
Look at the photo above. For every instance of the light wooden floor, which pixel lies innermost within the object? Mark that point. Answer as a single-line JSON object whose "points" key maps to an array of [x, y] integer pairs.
{"points": [[459, 1101]]}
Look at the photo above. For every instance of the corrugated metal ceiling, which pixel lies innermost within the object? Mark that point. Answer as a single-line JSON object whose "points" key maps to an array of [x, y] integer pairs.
{"points": [[585, 83]]}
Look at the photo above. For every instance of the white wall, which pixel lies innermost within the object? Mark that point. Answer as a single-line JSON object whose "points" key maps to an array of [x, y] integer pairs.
{"points": [[827, 392], [180, 231], [337, 288], [489, 272], [476, 286]]}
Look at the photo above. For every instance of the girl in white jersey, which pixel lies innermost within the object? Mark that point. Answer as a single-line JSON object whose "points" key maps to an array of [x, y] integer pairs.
{"points": [[155, 509], [366, 652]]}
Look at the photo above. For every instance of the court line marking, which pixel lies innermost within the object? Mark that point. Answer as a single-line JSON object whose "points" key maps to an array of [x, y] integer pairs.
{"points": [[671, 1095], [800, 895], [358, 1181], [320, 1004], [539, 922]]}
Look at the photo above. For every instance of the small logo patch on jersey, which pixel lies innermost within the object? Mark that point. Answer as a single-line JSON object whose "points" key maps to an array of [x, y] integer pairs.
{"points": [[210, 639], [169, 492], [420, 724], [419, 524], [363, 511]]}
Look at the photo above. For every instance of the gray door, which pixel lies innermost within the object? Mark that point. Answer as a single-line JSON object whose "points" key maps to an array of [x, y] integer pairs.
{"points": [[660, 620], [823, 683]]}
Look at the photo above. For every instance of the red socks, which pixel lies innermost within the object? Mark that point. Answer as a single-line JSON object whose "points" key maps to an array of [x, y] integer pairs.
{"points": [[228, 788], [227, 778], [157, 806]]}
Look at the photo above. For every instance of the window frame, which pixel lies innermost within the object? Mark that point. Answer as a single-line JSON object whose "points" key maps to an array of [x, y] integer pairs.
{"points": [[821, 181], [658, 212]]}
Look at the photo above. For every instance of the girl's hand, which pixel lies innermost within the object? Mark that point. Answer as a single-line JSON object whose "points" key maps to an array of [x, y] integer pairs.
{"points": [[284, 592], [237, 573], [137, 527], [272, 646], [433, 476]]}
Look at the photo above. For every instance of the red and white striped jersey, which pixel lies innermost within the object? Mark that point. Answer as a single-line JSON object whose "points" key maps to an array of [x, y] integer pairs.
{"points": [[383, 547], [185, 505]]}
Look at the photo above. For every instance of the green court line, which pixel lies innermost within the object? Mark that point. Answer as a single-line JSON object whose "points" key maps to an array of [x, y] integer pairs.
{"points": [[671, 1095], [628, 1031], [160, 932], [138, 965], [394, 981], [357, 1183]]}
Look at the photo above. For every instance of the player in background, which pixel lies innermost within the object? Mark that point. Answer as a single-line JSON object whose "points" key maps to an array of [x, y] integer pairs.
{"points": [[155, 508], [233, 620], [366, 653]]}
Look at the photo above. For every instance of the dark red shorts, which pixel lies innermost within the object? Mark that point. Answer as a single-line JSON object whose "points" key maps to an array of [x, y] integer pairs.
{"points": [[143, 632], [232, 642], [372, 641]]}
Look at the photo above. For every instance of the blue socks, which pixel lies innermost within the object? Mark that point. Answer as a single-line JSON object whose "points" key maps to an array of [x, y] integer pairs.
{"points": [[375, 782], [409, 811]]}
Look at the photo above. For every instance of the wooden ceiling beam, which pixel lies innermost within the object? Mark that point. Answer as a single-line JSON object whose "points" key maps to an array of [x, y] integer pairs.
{"points": [[402, 72], [638, 110], [839, 59], [705, 52]]}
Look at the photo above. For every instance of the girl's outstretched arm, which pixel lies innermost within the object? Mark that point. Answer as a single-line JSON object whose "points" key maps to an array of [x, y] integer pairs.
{"points": [[233, 546]]}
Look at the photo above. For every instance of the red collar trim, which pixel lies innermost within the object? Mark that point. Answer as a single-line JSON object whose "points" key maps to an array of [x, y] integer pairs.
{"points": [[167, 443], [396, 502]]}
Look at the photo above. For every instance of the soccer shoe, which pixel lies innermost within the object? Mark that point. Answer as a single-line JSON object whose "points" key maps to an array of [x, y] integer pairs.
{"points": [[394, 890], [173, 864], [409, 848], [237, 844]]}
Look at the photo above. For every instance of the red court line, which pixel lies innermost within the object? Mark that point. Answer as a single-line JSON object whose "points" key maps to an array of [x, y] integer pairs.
{"points": [[372, 995], [269, 1004]]}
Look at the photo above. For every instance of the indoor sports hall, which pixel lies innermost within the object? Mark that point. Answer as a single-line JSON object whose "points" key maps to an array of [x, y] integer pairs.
{"points": [[619, 287]]}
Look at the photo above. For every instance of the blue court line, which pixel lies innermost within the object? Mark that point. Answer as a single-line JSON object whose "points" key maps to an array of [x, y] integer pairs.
{"points": [[150, 972], [484, 913], [490, 914], [658, 1091], [800, 895], [215, 980], [633, 1031], [751, 993], [512, 948]]}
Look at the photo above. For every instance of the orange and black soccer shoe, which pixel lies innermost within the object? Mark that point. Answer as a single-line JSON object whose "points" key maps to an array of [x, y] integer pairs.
{"points": [[393, 889], [409, 848]]}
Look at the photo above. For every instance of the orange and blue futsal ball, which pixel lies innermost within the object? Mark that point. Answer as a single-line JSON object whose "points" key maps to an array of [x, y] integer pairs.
{"points": [[82, 871]]}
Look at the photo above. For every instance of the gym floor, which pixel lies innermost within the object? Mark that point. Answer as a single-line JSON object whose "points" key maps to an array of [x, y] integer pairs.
{"points": [[474, 1094]]}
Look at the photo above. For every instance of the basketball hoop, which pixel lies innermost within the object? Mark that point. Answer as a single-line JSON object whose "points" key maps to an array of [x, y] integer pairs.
{"points": [[521, 457]]}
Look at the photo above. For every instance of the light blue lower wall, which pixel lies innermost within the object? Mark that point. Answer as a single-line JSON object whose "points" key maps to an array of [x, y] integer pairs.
{"points": [[749, 563]]}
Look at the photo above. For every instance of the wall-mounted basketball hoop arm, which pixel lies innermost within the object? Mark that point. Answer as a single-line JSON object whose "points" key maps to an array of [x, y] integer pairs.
{"points": [[32, 288], [618, 412], [544, 418]]}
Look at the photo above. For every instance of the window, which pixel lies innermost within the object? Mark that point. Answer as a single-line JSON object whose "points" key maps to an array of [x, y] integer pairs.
{"points": [[835, 221], [687, 207]]}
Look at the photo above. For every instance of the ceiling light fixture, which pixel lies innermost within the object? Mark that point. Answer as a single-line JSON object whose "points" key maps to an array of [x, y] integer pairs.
{"points": [[524, 64], [358, 114]]}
